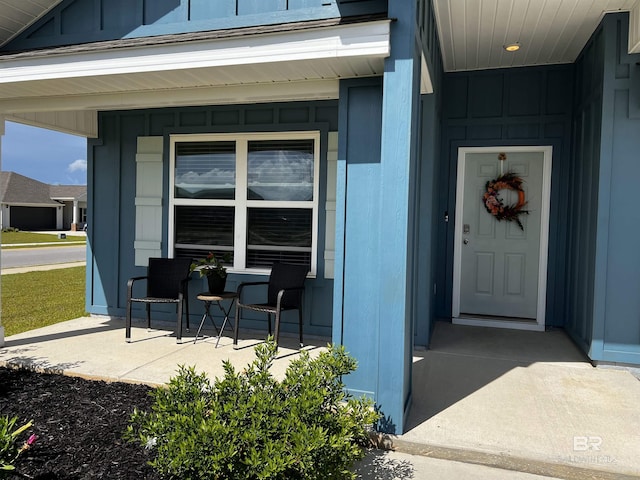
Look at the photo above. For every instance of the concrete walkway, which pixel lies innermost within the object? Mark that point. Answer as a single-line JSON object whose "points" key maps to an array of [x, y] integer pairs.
{"points": [[41, 268], [487, 404], [526, 401]]}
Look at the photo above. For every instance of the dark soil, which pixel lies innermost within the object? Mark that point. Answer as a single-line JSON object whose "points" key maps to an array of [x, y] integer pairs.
{"points": [[79, 424]]}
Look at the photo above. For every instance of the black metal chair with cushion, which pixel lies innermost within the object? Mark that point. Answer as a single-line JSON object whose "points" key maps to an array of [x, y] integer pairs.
{"points": [[285, 290], [166, 283]]}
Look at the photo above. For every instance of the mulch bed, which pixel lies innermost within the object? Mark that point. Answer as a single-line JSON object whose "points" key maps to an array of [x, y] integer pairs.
{"points": [[79, 424]]}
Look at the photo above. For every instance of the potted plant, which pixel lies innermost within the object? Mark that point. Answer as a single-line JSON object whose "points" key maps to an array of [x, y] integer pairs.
{"points": [[213, 268]]}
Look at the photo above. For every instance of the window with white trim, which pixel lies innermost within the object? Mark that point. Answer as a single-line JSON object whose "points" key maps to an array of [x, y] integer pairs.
{"points": [[253, 195]]}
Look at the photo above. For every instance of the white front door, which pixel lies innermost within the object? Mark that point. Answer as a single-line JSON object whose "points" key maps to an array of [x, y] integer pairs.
{"points": [[499, 267]]}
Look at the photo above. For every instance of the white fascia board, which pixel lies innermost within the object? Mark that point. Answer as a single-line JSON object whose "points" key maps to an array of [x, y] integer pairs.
{"points": [[370, 39]]}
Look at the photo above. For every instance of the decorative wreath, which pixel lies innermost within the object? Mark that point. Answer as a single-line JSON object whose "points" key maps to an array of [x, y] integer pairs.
{"points": [[493, 203]]}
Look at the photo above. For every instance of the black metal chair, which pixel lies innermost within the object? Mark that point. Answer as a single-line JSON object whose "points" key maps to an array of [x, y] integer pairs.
{"points": [[166, 283], [284, 292]]}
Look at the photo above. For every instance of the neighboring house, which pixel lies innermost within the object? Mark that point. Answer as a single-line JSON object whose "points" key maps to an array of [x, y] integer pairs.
{"points": [[357, 137], [74, 199], [28, 204]]}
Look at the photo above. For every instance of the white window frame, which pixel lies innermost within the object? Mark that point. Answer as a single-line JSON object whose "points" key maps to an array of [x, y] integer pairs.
{"points": [[241, 203]]}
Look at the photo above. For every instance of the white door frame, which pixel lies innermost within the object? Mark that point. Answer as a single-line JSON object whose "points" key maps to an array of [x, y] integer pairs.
{"points": [[539, 324]]}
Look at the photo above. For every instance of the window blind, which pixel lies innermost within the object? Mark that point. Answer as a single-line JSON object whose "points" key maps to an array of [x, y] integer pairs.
{"points": [[205, 170]]}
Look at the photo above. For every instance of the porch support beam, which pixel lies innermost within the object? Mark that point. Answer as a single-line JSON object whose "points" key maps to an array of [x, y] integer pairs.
{"points": [[374, 252], [76, 213], [400, 107]]}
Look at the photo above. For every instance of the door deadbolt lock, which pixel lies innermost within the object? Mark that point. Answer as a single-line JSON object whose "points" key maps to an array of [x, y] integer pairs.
{"points": [[466, 228]]}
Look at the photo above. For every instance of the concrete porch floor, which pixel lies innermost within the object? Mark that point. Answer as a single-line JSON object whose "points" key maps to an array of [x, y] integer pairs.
{"points": [[95, 348], [527, 403]]}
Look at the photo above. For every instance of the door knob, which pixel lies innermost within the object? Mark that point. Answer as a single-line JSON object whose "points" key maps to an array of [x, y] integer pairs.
{"points": [[465, 241]]}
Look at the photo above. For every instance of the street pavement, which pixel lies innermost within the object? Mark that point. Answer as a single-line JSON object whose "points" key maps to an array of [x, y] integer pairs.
{"points": [[43, 257], [29, 257]]}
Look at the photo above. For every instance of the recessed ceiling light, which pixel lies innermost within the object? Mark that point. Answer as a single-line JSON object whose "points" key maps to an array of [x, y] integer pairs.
{"points": [[512, 47]]}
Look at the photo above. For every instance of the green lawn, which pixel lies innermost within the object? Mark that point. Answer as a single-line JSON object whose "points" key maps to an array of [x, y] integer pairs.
{"points": [[30, 237], [37, 299]]}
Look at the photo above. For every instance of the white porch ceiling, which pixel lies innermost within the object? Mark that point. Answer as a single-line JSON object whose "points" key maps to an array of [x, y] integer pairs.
{"points": [[473, 32], [16, 15]]}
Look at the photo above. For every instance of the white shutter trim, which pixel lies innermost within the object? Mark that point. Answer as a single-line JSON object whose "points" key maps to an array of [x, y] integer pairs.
{"points": [[148, 239], [330, 206]]}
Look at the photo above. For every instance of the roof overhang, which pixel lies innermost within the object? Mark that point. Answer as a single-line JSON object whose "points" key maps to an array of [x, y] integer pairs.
{"points": [[30, 204], [473, 33], [290, 65]]}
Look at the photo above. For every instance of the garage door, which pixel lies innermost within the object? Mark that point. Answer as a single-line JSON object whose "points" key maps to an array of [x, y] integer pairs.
{"points": [[33, 218]]}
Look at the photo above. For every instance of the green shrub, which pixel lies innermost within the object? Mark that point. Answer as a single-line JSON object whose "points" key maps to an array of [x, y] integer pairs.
{"points": [[248, 425], [9, 448]]}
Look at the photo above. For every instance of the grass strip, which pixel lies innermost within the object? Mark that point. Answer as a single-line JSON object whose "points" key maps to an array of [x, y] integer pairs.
{"points": [[13, 238], [37, 299]]}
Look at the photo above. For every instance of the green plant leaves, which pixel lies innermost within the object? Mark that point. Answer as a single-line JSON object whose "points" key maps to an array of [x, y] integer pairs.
{"points": [[9, 447], [248, 425]]}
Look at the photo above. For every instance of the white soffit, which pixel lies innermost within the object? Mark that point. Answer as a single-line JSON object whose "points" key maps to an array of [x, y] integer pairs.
{"points": [[634, 28], [426, 86], [79, 80], [16, 15], [83, 123], [473, 32]]}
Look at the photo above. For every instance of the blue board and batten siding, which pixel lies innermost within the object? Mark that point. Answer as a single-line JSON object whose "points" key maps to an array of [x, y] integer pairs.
{"points": [[589, 112], [608, 139], [519, 106], [378, 233], [358, 223], [426, 214], [583, 188], [82, 21], [112, 184]]}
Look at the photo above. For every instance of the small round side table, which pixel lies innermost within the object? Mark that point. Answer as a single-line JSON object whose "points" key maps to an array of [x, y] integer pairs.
{"points": [[217, 298]]}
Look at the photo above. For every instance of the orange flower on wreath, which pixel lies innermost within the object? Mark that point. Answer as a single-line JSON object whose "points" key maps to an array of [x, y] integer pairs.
{"points": [[494, 204]]}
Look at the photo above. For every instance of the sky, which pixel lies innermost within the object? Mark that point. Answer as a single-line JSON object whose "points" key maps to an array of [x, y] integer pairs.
{"points": [[44, 155]]}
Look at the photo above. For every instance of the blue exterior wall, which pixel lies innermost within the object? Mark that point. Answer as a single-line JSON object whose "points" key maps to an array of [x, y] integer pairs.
{"points": [[426, 175], [583, 188], [519, 106], [83, 21], [358, 256], [376, 202], [111, 182], [426, 219], [589, 112], [604, 315]]}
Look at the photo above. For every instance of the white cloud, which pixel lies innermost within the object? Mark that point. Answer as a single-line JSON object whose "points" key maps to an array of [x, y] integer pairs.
{"points": [[78, 166]]}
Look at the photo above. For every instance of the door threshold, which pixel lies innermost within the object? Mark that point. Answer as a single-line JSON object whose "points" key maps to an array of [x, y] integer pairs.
{"points": [[498, 322]]}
